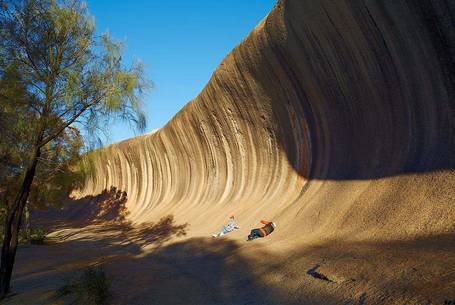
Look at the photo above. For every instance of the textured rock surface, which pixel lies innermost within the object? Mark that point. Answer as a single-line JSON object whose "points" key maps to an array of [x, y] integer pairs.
{"points": [[336, 116], [333, 118]]}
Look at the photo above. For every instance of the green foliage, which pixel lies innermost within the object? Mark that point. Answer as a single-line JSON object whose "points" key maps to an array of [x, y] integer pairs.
{"points": [[37, 236], [75, 77], [61, 86], [91, 287], [58, 172], [16, 122]]}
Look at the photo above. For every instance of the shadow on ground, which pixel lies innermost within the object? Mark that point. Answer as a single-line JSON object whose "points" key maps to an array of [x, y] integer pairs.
{"points": [[108, 206], [195, 271], [149, 263], [147, 269], [418, 271], [153, 264]]}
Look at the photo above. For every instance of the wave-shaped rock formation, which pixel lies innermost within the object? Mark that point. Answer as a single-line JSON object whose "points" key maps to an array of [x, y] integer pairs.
{"points": [[333, 118]]}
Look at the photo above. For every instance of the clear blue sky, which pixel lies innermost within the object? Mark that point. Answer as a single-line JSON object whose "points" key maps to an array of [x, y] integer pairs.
{"points": [[180, 42]]}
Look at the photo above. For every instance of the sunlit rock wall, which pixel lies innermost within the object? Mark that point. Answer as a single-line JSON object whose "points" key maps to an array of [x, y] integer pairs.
{"points": [[334, 118]]}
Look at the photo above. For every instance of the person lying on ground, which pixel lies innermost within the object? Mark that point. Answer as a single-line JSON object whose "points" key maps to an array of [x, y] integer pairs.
{"points": [[227, 228], [267, 229]]}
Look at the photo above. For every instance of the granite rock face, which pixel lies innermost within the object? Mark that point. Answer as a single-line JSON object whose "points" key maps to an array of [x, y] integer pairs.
{"points": [[333, 117]]}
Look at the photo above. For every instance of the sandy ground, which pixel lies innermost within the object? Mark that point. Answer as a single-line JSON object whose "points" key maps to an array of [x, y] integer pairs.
{"points": [[157, 263]]}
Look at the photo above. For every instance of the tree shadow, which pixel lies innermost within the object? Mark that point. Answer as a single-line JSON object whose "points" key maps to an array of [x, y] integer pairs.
{"points": [[132, 237], [105, 215], [195, 271], [146, 268], [109, 206]]}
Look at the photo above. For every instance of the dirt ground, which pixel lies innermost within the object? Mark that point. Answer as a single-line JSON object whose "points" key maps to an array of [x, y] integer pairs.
{"points": [[158, 263]]}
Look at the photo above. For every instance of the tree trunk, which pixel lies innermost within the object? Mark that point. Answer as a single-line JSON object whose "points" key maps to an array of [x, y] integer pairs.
{"points": [[12, 226], [28, 223]]}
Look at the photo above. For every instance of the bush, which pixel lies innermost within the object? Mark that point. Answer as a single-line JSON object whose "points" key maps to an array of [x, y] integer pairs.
{"points": [[37, 236], [91, 287]]}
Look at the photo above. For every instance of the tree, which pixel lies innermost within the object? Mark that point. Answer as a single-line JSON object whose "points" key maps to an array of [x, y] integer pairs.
{"points": [[58, 171], [15, 138], [71, 78]]}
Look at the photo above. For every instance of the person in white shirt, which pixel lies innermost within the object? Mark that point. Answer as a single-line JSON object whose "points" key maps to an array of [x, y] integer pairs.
{"points": [[227, 228]]}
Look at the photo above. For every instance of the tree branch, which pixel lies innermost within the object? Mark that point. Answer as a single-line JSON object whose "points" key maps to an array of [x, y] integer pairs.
{"points": [[69, 122]]}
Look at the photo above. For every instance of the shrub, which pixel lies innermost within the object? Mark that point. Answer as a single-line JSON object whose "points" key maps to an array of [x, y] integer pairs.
{"points": [[37, 236], [90, 287]]}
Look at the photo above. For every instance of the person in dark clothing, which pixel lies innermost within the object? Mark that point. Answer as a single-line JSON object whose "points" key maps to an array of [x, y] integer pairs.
{"points": [[267, 229]]}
